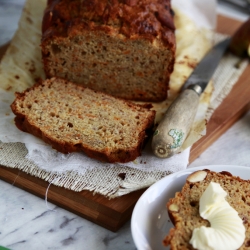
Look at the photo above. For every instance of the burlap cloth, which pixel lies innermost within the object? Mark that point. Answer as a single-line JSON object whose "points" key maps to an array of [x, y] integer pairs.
{"points": [[22, 64]]}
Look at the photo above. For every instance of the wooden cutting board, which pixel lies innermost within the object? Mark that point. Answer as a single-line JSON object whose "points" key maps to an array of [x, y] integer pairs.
{"points": [[112, 214]]}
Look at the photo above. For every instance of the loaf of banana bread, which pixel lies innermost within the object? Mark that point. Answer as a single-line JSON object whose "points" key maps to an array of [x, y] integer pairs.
{"points": [[73, 118], [125, 48]]}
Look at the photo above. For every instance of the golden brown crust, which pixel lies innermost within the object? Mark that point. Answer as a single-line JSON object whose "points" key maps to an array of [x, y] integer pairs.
{"points": [[149, 18], [27, 121], [187, 217]]}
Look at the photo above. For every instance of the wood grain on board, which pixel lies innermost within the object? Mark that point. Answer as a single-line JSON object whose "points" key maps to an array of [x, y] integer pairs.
{"points": [[112, 214]]}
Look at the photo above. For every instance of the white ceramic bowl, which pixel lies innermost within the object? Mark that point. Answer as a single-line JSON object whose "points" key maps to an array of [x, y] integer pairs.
{"points": [[150, 221]]}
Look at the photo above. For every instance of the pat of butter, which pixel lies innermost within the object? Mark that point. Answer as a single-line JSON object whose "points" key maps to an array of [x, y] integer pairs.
{"points": [[227, 231]]}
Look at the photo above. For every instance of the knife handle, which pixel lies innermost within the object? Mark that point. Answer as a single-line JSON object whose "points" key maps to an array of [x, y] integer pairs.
{"points": [[176, 123]]}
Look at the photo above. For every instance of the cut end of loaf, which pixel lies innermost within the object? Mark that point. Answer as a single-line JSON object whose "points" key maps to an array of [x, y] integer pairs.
{"points": [[128, 68], [73, 118]]}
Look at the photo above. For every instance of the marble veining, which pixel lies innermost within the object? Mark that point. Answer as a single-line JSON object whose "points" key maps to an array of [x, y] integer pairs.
{"points": [[29, 222]]}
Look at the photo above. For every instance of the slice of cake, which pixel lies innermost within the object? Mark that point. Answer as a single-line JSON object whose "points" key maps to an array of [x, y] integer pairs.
{"points": [[123, 48], [184, 209], [73, 118]]}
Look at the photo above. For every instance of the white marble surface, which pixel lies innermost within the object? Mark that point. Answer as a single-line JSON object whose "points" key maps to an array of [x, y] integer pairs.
{"points": [[28, 222]]}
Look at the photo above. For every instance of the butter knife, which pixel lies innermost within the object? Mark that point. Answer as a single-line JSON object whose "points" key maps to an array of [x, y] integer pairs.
{"points": [[177, 121]]}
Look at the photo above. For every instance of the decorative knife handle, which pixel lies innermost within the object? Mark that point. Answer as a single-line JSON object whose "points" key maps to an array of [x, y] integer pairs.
{"points": [[176, 123]]}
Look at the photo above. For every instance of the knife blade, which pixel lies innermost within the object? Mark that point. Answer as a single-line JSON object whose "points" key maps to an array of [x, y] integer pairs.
{"points": [[177, 121]]}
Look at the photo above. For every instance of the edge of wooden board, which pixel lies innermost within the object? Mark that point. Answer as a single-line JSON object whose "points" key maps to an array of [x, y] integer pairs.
{"points": [[221, 121], [95, 207]]}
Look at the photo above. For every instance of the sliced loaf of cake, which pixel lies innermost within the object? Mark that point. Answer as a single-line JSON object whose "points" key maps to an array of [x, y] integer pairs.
{"points": [[73, 118], [123, 48]]}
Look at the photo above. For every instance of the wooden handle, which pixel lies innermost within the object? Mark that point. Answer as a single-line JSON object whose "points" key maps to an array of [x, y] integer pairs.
{"points": [[175, 125]]}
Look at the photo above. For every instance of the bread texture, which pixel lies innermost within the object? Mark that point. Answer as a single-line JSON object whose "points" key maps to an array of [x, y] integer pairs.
{"points": [[185, 215], [125, 48], [72, 118]]}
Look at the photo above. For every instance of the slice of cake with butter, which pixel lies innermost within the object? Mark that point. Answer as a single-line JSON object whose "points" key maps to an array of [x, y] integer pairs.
{"points": [[210, 212]]}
